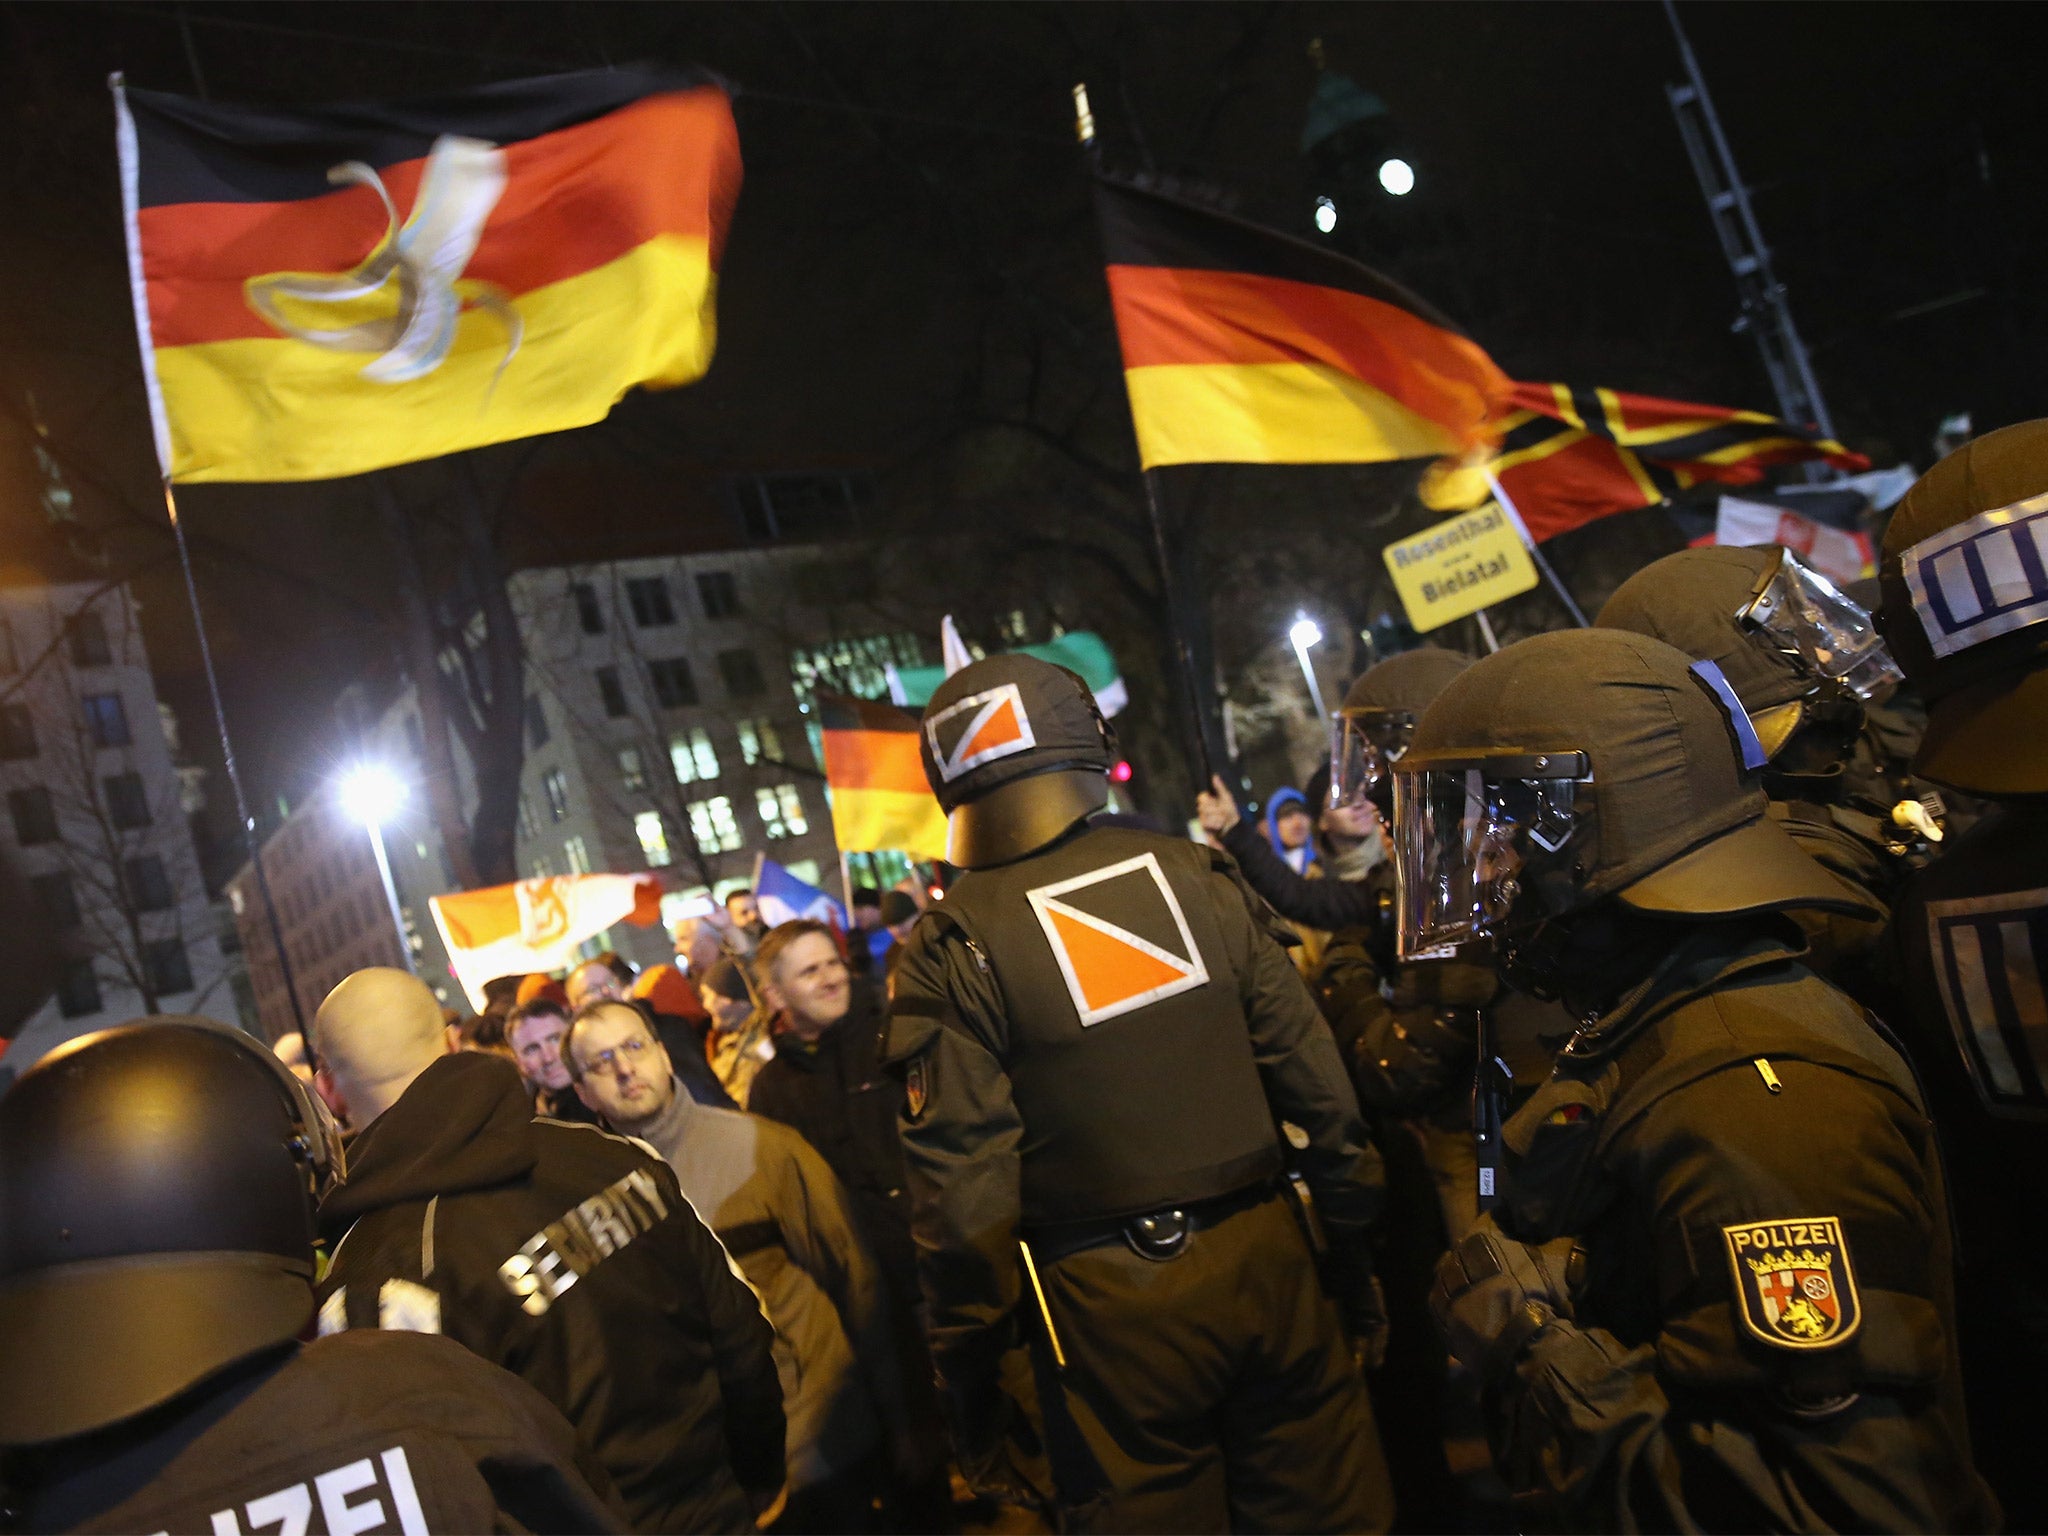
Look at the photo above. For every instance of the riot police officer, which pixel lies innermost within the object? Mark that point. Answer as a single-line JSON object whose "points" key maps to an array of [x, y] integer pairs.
{"points": [[1716, 1291], [1097, 1035], [1805, 659], [1965, 599], [157, 1188]]}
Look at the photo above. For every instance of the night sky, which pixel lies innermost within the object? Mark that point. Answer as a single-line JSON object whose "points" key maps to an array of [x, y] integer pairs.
{"points": [[913, 244]]}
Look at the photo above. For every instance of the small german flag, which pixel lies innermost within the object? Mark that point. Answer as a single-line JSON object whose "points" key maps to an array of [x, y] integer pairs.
{"points": [[320, 293], [880, 797], [1571, 455], [1243, 345]]}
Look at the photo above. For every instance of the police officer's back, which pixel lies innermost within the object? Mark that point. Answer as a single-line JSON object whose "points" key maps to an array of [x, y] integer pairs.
{"points": [[1965, 597], [1716, 1294], [1097, 1036], [157, 1187]]}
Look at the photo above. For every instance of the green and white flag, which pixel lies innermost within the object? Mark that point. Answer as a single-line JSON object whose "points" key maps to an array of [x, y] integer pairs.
{"points": [[1079, 650]]}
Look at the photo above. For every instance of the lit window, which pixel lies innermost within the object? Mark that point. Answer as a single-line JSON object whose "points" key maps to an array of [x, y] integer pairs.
{"points": [[782, 811], [692, 756], [632, 772], [653, 837], [541, 868], [556, 788], [714, 826], [578, 856], [758, 741]]}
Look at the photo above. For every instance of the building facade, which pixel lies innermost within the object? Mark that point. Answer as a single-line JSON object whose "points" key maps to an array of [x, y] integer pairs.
{"points": [[332, 912], [97, 812]]}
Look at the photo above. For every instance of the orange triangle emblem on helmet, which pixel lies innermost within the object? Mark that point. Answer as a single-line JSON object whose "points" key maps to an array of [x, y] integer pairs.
{"points": [[979, 729], [1114, 966]]}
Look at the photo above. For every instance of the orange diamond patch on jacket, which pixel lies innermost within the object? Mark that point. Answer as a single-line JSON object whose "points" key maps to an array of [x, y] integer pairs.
{"points": [[1119, 937]]}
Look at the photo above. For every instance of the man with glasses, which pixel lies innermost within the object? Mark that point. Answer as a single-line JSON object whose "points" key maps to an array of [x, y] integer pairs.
{"points": [[783, 1217]]}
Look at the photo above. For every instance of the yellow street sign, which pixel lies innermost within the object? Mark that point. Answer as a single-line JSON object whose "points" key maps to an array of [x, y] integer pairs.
{"points": [[1459, 566]]}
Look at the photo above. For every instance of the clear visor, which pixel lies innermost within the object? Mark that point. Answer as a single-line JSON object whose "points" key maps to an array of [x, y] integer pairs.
{"points": [[1362, 754], [1800, 612], [1471, 836]]}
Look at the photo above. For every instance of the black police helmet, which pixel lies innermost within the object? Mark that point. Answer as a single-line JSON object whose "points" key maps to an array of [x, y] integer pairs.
{"points": [[158, 1183], [1965, 584], [1017, 751], [1680, 828]]}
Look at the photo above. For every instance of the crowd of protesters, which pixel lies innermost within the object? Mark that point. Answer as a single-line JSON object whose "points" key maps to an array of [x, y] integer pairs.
{"points": [[1529, 1142]]}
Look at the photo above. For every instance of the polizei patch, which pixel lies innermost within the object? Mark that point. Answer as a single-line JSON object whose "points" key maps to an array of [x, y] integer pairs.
{"points": [[1794, 1285]]}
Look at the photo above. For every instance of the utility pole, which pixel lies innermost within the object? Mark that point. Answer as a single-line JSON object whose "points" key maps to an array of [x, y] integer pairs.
{"points": [[1766, 311]]}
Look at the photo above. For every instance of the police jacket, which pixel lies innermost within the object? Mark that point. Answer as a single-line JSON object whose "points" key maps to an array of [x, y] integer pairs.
{"points": [[372, 1431], [1850, 844], [568, 1256], [1763, 1337], [1102, 1029], [1971, 931]]}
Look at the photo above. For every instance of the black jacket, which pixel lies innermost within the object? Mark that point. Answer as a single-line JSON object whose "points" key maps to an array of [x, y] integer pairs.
{"points": [[439, 1439], [836, 1096], [569, 1256], [1325, 904]]}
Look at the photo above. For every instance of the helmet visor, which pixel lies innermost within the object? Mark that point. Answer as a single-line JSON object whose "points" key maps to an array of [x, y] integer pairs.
{"points": [[1472, 835], [1799, 612], [1367, 743]]}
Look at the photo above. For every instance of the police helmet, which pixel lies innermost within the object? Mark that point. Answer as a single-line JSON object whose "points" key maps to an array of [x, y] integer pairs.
{"points": [[1378, 717], [158, 1184], [1017, 751], [1798, 651], [1965, 584], [1581, 765]]}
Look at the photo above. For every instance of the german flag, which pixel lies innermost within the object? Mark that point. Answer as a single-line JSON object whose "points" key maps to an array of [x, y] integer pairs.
{"points": [[320, 293], [880, 797], [1242, 345], [1571, 455]]}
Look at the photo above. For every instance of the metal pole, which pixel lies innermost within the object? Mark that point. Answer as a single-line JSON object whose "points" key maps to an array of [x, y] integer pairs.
{"points": [[227, 752], [1536, 555], [391, 895], [1182, 654]]}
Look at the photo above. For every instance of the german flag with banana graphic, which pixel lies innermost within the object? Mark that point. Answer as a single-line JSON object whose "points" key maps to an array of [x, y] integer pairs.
{"points": [[329, 291]]}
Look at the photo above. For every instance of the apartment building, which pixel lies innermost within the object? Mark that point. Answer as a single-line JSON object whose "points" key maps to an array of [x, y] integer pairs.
{"points": [[97, 812]]}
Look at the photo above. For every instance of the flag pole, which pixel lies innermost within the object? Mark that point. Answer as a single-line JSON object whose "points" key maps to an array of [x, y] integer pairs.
{"points": [[227, 752], [1084, 131], [1541, 560]]}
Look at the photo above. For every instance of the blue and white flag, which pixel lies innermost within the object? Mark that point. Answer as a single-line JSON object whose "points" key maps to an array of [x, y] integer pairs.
{"points": [[783, 898]]}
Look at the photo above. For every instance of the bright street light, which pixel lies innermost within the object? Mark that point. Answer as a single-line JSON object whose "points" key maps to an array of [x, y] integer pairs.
{"points": [[1304, 633], [371, 794], [1398, 177], [1326, 215]]}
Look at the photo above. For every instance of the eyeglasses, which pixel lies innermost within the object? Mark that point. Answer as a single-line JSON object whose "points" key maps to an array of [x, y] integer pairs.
{"points": [[624, 1054]]}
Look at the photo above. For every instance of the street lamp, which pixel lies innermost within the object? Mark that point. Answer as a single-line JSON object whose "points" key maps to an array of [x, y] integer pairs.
{"points": [[372, 794], [1397, 177], [1304, 634]]}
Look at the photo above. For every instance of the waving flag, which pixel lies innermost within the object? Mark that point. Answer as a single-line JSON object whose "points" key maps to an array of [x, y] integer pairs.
{"points": [[783, 898], [1243, 345], [535, 925], [1569, 455], [880, 798], [327, 291]]}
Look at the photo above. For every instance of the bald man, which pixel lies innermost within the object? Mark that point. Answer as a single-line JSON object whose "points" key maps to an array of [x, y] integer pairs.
{"points": [[561, 1252]]}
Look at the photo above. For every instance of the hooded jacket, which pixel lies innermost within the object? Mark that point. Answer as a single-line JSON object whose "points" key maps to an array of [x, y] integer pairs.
{"points": [[570, 1257], [1296, 859]]}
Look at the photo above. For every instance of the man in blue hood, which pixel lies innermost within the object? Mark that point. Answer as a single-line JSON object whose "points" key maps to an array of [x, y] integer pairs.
{"points": [[1290, 828]]}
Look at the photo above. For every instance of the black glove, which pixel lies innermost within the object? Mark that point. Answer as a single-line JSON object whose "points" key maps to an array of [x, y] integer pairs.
{"points": [[1365, 1320], [1492, 1294]]}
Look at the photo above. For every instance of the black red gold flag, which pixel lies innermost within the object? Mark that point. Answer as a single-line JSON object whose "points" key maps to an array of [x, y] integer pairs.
{"points": [[1244, 345], [326, 291], [880, 796]]}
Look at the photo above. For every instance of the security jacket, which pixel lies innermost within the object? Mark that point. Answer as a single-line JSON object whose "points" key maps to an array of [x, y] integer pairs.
{"points": [[1059, 1072], [570, 1257], [368, 1431], [1763, 1338]]}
